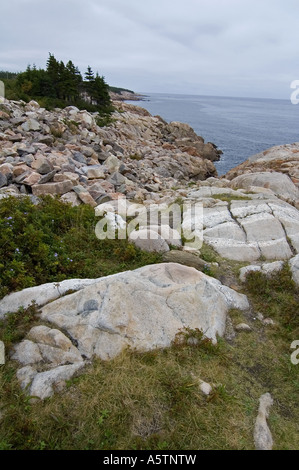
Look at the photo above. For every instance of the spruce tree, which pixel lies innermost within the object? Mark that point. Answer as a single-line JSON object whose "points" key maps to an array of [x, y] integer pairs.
{"points": [[100, 93], [89, 75], [53, 71]]}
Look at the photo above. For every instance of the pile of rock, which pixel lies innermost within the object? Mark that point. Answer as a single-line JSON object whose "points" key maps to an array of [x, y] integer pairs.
{"points": [[64, 152]]}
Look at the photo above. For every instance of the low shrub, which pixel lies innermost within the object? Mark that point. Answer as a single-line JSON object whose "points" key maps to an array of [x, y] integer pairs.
{"points": [[53, 241]]}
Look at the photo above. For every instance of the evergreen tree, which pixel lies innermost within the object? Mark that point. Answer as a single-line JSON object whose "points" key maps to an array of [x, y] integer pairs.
{"points": [[100, 94], [89, 75], [53, 71], [72, 81], [62, 81], [62, 84]]}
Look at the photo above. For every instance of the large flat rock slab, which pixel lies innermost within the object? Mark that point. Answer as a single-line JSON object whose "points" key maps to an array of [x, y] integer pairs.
{"points": [[143, 309], [248, 230]]}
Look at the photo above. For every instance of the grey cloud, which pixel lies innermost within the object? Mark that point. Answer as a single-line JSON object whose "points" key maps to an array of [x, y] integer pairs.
{"points": [[219, 47]]}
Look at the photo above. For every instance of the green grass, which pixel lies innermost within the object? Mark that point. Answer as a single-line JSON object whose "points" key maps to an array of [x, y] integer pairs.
{"points": [[152, 400], [230, 197], [135, 156], [15, 326]]}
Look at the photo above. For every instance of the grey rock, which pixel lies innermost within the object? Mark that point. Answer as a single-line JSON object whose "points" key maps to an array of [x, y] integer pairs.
{"points": [[148, 240], [40, 294], [27, 150], [71, 198], [117, 179], [79, 189], [262, 434], [143, 309], [79, 157], [17, 120], [52, 188], [102, 156], [269, 322], [243, 327], [112, 163], [46, 139], [87, 151], [47, 177], [30, 125], [185, 258], [171, 236], [205, 388], [42, 165], [247, 230], [27, 158], [43, 384], [46, 345], [3, 180], [294, 266], [269, 269], [102, 198], [94, 172], [279, 183]]}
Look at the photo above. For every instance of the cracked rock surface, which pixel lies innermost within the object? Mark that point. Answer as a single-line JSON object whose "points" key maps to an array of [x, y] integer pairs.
{"points": [[246, 230]]}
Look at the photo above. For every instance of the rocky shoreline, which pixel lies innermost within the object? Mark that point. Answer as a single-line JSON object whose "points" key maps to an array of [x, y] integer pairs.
{"points": [[250, 215], [65, 152], [125, 95]]}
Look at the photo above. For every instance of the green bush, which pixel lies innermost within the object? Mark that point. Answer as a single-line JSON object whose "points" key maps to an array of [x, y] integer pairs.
{"points": [[53, 241]]}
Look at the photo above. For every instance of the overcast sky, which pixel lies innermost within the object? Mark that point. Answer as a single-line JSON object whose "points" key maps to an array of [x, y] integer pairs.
{"points": [[209, 47]]}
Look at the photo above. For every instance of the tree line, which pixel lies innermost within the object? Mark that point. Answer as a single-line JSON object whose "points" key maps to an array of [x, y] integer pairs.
{"points": [[60, 85]]}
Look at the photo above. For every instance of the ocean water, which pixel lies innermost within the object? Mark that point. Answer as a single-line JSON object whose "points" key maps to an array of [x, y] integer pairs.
{"points": [[240, 127]]}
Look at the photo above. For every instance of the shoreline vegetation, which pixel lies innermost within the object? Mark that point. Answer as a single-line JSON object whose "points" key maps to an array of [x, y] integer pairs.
{"points": [[56, 166], [61, 85]]}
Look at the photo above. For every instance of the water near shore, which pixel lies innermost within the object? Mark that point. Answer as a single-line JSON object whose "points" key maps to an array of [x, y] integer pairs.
{"points": [[240, 127]]}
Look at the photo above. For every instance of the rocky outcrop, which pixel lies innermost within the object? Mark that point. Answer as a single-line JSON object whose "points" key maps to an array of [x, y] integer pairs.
{"points": [[126, 95], [142, 309], [239, 225], [140, 162], [65, 151], [281, 184], [270, 269], [247, 226], [283, 159]]}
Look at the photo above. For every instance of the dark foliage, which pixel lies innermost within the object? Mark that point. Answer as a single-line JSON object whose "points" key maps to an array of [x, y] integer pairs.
{"points": [[60, 85]]}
